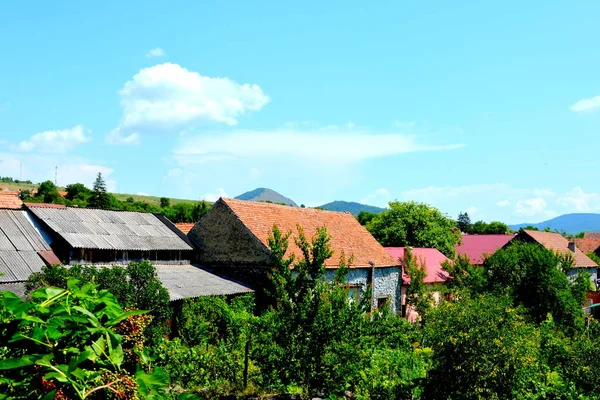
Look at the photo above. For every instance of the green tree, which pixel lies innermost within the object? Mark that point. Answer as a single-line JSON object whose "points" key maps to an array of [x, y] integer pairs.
{"points": [[483, 348], [100, 197], [416, 225], [48, 192], [364, 217], [484, 228], [165, 202], [536, 278], [78, 191], [465, 276], [463, 222], [417, 293], [199, 210]]}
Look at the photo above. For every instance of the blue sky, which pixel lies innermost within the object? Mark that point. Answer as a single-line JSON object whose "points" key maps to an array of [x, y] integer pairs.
{"points": [[492, 108]]}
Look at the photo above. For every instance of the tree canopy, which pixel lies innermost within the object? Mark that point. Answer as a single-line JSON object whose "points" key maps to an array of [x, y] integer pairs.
{"points": [[416, 225]]}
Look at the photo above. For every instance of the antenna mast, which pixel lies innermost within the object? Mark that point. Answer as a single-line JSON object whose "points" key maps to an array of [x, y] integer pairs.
{"points": [[55, 174]]}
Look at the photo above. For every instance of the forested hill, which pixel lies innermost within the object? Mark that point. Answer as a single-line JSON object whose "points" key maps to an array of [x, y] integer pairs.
{"points": [[265, 194], [569, 223], [350, 206]]}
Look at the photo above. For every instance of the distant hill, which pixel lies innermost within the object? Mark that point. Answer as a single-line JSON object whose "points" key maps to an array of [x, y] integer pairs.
{"points": [[351, 207], [569, 223], [264, 194]]}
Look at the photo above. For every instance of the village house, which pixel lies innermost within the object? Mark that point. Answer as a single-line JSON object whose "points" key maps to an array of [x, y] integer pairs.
{"points": [[590, 243], [436, 276], [106, 238], [557, 243], [232, 238], [478, 247]]}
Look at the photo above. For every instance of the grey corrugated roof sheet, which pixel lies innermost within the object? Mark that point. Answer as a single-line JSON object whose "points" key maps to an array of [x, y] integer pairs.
{"points": [[110, 230], [189, 281], [17, 288], [18, 265]]}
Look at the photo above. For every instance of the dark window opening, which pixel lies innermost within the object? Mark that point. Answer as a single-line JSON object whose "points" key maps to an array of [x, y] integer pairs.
{"points": [[382, 303]]}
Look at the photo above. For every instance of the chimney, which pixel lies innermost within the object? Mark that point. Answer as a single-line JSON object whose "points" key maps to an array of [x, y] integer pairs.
{"points": [[572, 246]]}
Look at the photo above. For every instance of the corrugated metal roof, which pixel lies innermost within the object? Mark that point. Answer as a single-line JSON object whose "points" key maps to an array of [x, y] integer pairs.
{"points": [[18, 265], [17, 288], [111, 230], [18, 231], [189, 281]]}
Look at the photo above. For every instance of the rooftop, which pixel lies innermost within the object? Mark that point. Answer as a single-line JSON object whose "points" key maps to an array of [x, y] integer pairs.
{"points": [[86, 228], [557, 243], [476, 247], [10, 200], [185, 227], [431, 258], [347, 235], [587, 245]]}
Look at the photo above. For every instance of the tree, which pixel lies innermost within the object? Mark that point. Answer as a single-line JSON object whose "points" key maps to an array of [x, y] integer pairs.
{"points": [[484, 228], [78, 191], [463, 222], [465, 277], [417, 293], [100, 197], [483, 348], [48, 192], [165, 202], [535, 277], [364, 217], [416, 225]]}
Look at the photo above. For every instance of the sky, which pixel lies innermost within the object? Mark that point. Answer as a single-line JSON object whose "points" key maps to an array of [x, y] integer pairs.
{"points": [[490, 108]]}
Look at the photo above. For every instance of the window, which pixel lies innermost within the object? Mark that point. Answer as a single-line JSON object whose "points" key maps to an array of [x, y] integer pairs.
{"points": [[382, 303]]}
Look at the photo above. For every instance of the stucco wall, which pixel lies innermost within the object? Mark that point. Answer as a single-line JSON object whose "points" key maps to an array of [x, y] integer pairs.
{"points": [[385, 283]]}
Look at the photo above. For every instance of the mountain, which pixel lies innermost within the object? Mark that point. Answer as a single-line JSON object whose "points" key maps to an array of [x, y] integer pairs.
{"points": [[569, 223], [351, 207], [264, 194]]}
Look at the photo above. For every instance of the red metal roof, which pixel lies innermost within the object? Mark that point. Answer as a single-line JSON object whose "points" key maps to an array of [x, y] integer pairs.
{"points": [[476, 247], [49, 257], [347, 235], [10, 200], [431, 258]]}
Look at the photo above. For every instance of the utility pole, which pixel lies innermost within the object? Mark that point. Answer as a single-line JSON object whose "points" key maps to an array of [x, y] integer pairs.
{"points": [[55, 174], [21, 171]]}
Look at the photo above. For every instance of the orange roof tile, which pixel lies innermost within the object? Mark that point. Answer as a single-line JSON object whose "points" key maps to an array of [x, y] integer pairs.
{"points": [[587, 245], [185, 227], [45, 205], [347, 235], [556, 242], [10, 200], [591, 235]]}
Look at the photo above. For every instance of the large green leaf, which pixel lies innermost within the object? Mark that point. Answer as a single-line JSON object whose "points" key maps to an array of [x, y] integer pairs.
{"points": [[12, 363], [125, 316]]}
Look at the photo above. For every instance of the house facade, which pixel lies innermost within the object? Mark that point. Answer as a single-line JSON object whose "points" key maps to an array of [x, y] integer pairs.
{"points": [[233, 238]]}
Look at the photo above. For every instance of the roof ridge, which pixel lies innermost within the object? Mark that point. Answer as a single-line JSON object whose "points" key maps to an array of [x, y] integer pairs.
{"points": [[266, 203]]}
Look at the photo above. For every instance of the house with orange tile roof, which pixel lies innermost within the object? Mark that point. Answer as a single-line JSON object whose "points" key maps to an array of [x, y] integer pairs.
{"points": [[10, 200], [232, 238], [588, 245], [557, 243], [185, 227]]}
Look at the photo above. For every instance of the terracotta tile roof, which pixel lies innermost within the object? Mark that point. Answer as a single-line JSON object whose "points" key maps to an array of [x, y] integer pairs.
{"points": [[556, 242], [347, 235], [476, 247], [45, 205], [591, 235], [587, 245], [185, 227], [10, 200], [432, 258]]}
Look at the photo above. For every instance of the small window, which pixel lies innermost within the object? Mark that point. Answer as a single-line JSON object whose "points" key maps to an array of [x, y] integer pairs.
{"points": [[404, 311], [382, 303]]}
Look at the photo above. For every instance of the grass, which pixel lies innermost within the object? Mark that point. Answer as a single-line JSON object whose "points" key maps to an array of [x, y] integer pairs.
{"points": [[120, 196]]}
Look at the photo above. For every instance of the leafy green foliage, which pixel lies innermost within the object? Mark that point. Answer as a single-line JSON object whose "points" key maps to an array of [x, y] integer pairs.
{"points": [[417, 294], [65, 343], [100, 198], [48, 193], [135, 286], [536, 278], [485, 228], [416, 225], [463, 222], [165, 202]]}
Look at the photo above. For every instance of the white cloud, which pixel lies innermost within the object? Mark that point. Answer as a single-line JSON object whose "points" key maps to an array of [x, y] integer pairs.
{"points": [[156, 52], [472, 210], [116, 136], [143, 194], [333, 147], [214, 196], [503, 203], [532, 207], [168, 97], [56, 141], [583, 105], [380, 197], [577, 199]]}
